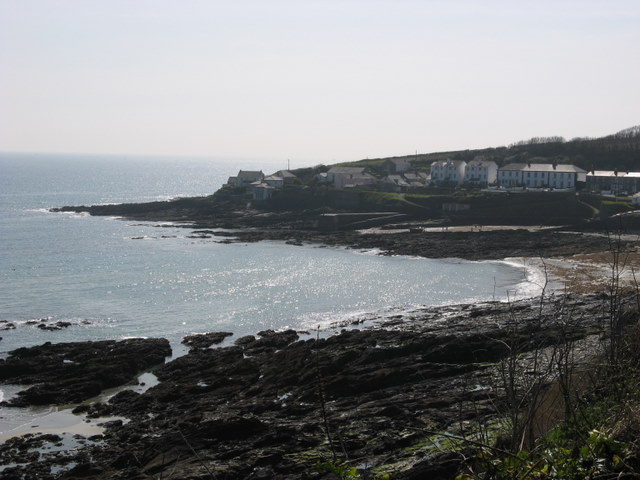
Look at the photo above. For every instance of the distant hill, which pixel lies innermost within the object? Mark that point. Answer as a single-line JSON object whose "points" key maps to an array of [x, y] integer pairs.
{"points": [[619, 151]]}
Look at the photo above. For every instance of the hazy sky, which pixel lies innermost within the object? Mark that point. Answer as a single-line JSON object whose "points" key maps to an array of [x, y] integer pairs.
{"points": [[312, 80]]}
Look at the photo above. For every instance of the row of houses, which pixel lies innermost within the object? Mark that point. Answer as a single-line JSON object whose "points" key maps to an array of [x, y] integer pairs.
{"points": [[613, 182], [458, 172], [527, 175], [261, 186], [533, 175], [478, 172], [351, 177], [541, 175]]}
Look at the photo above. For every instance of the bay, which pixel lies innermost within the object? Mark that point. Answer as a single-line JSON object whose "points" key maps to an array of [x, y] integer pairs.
{"points": [[111, 278]]}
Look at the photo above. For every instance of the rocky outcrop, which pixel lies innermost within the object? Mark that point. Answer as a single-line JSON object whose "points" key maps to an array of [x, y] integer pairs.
{"points": [[273, 406], [205, 340], [73, 372], [298, 226]]}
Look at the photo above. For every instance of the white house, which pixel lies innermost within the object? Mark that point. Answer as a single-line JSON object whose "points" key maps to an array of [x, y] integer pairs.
{"points": [[540, 175], [448, 172], [261, 191], [481, 172], [613, 181], [274, 181], [244, 178], [511, 175], [343, 177]]}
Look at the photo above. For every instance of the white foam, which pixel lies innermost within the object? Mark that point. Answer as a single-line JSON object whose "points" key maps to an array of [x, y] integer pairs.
{"points": [[370, 251], [536, 280], [66, 214]]}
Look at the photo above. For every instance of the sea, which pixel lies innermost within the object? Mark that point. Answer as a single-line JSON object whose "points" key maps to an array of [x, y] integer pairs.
{"points": [[111, 278]]}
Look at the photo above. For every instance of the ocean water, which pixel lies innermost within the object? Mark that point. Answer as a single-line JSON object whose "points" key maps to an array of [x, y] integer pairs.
{"points": [[112, 279]]}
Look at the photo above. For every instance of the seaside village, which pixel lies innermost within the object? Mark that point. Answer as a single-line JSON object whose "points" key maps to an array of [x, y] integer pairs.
{"points": [[400, 176]]}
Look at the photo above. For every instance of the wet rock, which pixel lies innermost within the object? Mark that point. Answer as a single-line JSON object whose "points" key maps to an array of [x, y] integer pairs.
{"points": [[272, 406], [55, 326], [205, 340], [111, 424], [268, 341], [224, 428], [439, 467], [73, 372], [246, 340]]}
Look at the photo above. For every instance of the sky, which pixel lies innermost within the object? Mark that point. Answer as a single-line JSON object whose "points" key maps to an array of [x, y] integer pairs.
{"points": [[314, 81]]}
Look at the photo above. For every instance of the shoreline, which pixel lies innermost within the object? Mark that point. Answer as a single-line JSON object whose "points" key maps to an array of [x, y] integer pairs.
{"points": [[449, 332], [252, 405], [520, 286], [258, 397]]}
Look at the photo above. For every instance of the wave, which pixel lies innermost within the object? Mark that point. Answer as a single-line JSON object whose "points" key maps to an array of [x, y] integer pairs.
{"points": [[536, 279]]}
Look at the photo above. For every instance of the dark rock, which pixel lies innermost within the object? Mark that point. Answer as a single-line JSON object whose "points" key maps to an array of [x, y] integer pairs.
{"points": [[269, 341], [261, 408], [84, 470], [73, 372], [230, 428], [205, 340], [439, 467], [111, 424], [246, 340]]}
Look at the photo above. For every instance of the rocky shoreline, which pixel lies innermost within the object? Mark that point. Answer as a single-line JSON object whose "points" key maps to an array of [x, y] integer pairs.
{"points": [[275, 406], [229, 222]]}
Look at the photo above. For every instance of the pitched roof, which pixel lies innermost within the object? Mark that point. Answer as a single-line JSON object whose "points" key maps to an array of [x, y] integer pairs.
{"points": [[560, 167], [612, 173], [416, 176], [481, 163], [261, 186], [543, 167], [250, 174], [603, 173], [396, 180], [285, 174], [446, 162], [513, 166], [347, 170]]}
